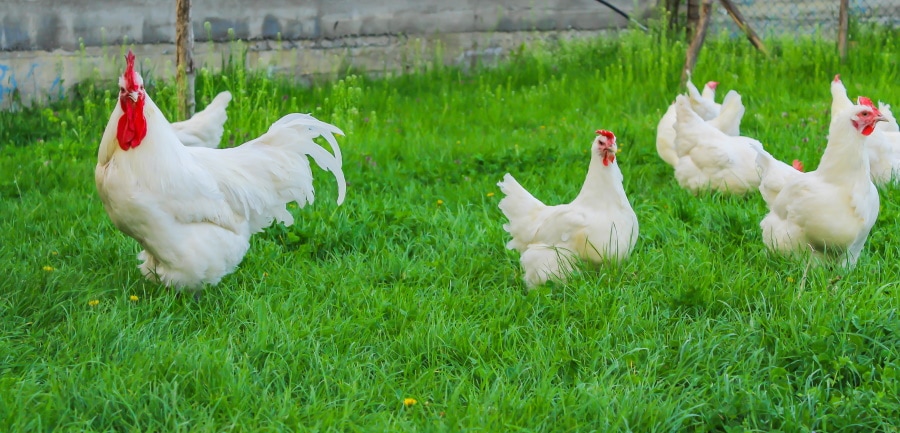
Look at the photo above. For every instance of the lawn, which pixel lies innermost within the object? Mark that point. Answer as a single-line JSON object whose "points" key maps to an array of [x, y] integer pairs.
{"points": [[401, 310]]}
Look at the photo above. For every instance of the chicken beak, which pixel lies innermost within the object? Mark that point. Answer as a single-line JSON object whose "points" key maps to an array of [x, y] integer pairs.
{"points": [[881, 118]]}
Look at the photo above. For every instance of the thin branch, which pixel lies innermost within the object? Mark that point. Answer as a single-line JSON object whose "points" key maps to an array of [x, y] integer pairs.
{"points": [[699, 36], [744, 25]]}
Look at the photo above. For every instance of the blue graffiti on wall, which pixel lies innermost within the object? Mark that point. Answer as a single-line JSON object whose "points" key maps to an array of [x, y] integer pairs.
{"points": [[4, 88], [9, 85]]}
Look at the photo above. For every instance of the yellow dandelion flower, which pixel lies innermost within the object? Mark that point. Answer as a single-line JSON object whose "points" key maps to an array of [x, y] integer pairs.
{"points": [[543, 127], [618, 150], [94, 302], [790, 279], [409, 402], [48, 268], [133, 298], [490, 194], [54, 253], [440, 202], [458, 142], [265, 274]]}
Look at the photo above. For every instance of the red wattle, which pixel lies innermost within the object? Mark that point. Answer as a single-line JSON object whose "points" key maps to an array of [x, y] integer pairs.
{"points": [[868, 129], [608, 158], [132, 127]]}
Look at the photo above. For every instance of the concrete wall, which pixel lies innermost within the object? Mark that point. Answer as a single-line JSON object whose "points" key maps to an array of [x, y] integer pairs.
{"points": [[51, 24], [46, 45]]}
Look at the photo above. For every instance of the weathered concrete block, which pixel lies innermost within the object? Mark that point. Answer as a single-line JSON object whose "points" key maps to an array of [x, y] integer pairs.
{"points": [[50, 24], [40, 40]]}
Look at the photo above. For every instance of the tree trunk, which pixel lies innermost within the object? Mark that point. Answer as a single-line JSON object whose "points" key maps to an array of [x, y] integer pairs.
{"points": [[844, 22], [184, 57], [699, 36]]}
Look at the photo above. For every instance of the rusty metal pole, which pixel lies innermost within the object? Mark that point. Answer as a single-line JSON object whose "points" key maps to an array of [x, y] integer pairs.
{"points": [[184, 57]]}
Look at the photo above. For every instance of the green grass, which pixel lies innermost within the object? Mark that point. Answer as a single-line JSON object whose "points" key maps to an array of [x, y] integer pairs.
{"points": [[330, 324]]}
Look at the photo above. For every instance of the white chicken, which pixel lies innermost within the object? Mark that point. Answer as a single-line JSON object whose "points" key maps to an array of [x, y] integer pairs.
{"points": [[774, 174], [599, 225], [704, 104], [890, 122], [193, 209], [205, 128], [883, 145], [709, 158], [828, 211]]}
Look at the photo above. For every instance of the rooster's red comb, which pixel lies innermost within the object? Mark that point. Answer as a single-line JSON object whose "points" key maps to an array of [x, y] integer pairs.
{"points": [[837, 78], [130, 75], [609, 135], [862, 100], [712, 84]]}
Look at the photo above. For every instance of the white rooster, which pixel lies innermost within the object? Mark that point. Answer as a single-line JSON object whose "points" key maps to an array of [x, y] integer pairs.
{"points": [[709, 158], [828, 211], [193, 209], [883, 145], [598, 226], [719, 115], [205, 128]]}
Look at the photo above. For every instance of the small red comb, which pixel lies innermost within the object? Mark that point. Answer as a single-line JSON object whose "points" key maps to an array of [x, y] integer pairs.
{"points": [[797, 164], [609, 135], [862, 100], [837, 78], [712, 84], [130, 75]]}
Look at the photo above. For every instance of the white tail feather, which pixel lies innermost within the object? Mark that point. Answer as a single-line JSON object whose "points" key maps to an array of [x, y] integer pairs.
{"points": [[519, 207], [206, 127], [261, 176]]}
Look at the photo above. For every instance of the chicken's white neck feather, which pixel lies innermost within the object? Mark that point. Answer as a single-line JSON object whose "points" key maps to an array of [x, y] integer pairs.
{"points": [[603, 184], [846, 152], [839, 99], [160, 159]]}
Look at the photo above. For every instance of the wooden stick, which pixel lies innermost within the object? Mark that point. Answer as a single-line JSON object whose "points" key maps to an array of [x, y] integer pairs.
{"points": [[742, 23], [693, 15], [843, 24], [697, 43], [184, 57]]}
